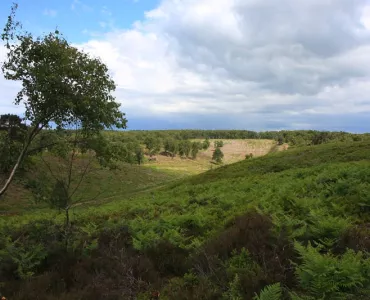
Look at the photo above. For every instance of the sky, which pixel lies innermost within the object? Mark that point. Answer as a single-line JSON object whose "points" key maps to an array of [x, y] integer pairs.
{"points": [[220, 64]]}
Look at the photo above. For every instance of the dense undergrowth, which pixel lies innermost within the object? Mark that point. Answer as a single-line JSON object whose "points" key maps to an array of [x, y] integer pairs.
{"points": [[291, 225]]}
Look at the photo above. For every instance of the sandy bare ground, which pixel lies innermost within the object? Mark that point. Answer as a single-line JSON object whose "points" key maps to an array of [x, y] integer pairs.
{"points": [[234, 151]]}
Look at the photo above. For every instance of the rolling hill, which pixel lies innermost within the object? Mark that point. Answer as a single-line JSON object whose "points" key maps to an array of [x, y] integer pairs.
{"points": [[106, 185], [288, 225]]}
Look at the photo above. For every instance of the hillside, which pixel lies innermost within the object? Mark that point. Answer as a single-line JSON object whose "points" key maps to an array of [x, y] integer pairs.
{"points": [[294, 220], [100, 185], [234, 150], [96, 205], [103, 185]]}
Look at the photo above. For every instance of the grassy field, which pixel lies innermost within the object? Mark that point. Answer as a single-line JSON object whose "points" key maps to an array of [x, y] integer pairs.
{"points": [[295, 220], [99, 185], [102, 185], [234, 151]]}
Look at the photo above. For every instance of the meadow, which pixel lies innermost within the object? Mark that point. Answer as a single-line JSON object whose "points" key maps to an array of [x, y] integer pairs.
{"points": [[288, 225], [234, 150], [125, 179]]}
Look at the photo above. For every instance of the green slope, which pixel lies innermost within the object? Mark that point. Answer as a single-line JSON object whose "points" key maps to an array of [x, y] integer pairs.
{"points": [[230, 232], [99, 185], [303, 187]]}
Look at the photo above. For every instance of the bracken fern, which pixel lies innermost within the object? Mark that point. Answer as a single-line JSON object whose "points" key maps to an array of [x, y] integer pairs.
{"points": [[325, 276], [270, 292]]}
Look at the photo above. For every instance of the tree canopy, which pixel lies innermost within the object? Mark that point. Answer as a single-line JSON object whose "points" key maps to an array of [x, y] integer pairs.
{"points": [[218, 155], [60, 84]]}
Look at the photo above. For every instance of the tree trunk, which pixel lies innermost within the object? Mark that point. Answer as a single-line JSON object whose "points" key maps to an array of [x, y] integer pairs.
{"points": [[21, 156], [67, 217], [15, 168], [67, 228]]}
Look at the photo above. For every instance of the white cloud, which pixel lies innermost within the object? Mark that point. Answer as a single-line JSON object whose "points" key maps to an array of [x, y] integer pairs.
{"points": [[50, 12], [273, 62], [242, 57], [365, 18], [9, 91]]}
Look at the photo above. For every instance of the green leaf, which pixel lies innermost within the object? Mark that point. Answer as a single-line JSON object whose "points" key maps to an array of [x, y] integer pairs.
{"points": [[270, 292]]}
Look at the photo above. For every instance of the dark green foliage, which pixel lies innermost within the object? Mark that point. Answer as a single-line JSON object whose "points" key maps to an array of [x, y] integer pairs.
{"points": [[191, 286], [293, 223], [312, 137], [184, 148], [217, 155], [9, 152], [9, 121], [320, 138], [171, 146], [59, 196], [153, 144], [195, 147], [294, 137], [139, 153], [13, 125], [60, 85], [69, 277], [226, 234], [270, 292], [12, 133], [168, 259], [218, 144], [206, 143], [21, 261], [47, 67], [233, 292], [187, 147], [325, 276]]}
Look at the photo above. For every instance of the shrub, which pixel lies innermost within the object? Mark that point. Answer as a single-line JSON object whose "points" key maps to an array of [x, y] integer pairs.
{"points": [[191, 286], [280, 140], [249, 156], [218, 155], [195, 147], [325, 276], [206, 143], [219, 144], [234, 290], [265, 259], [168, 259], [25, 258]]}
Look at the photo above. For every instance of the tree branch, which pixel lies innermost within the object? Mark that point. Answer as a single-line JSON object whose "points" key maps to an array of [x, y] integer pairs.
{"points": [[83, 175]]}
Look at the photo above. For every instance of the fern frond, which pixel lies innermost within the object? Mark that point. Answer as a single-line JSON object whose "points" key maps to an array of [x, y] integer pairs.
{"points": [[270, 292]]}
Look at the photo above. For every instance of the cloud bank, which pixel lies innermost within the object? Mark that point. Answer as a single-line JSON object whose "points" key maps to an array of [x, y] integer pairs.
{"points": [[243, 64]]}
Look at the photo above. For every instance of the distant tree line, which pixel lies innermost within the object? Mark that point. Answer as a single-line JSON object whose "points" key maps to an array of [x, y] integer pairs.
{"points": [[313, 137], [132, 146], [294, 137], [113, 147]]}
